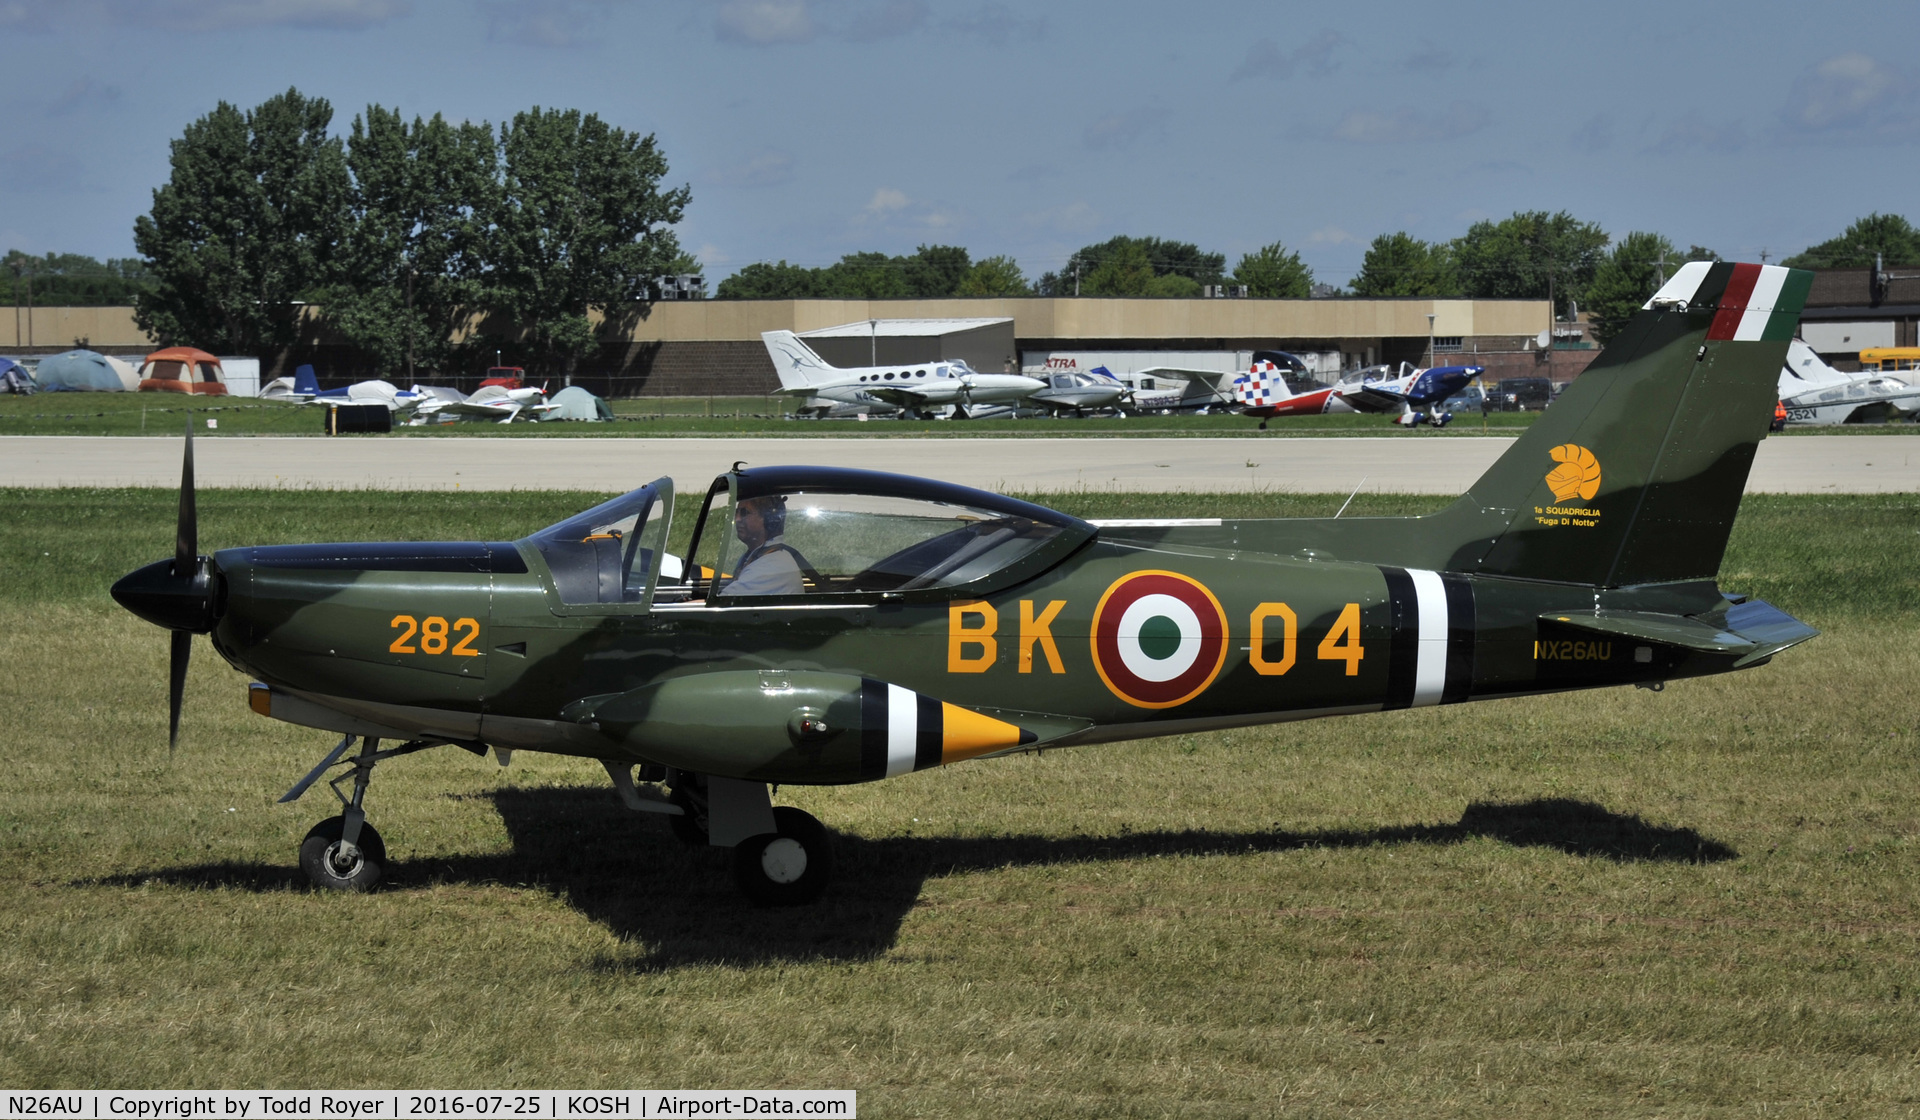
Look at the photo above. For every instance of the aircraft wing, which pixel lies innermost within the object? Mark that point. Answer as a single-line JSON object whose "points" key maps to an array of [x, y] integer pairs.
{"points": [[1373, 398]]}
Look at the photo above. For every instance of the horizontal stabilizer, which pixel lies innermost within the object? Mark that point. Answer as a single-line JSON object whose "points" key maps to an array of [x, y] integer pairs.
{"points": [[1752, 631]]}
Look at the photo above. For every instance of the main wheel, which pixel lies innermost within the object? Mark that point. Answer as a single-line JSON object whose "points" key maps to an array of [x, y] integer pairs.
{"points": [[330, 870], [787, 867]]}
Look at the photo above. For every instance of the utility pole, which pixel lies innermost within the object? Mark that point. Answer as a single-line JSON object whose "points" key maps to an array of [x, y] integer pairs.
{"points": [[1764, 254], [1660, 271], [1553, 317], [1076, 278], [1430, 318], [873, 342], [410, 374]]}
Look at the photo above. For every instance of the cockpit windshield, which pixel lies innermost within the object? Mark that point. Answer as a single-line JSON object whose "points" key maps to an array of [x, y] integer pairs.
{"points": [[811, 531], [607, 554]]}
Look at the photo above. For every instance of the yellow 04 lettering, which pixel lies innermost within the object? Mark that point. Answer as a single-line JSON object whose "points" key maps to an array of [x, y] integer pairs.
{"points": [[1342, 643], [402, 644], [1257, 651], [464, 647]]}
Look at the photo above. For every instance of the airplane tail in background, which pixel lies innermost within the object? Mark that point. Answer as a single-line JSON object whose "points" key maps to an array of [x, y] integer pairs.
{"points": [[1805, 370], [798, 366], [1635, 474], [305, 381]]}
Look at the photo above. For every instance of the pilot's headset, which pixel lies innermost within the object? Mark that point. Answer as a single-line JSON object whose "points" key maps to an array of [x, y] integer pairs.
{"points": [[773, 512]]}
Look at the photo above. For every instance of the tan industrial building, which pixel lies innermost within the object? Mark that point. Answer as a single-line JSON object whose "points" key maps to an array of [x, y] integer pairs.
{"points": [[713, 347]]}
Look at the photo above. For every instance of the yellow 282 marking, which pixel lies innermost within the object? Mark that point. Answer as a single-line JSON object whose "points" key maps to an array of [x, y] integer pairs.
{"points": [[433, 635]]}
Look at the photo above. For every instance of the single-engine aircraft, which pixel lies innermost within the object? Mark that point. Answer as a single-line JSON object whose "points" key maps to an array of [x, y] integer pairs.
{"points": [[1813, 392], [1413, 396], [836, 626], [915, 388]]}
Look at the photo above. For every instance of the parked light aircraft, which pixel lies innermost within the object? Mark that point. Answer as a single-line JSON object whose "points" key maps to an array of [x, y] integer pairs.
{"points": [[916, 388], [1816, 393], [1413, 395], [1093, 391], [839, 626], [489, 402]]}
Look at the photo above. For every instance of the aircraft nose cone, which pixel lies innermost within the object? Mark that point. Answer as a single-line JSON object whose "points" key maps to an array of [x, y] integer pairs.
{"points": [[174, 602]]}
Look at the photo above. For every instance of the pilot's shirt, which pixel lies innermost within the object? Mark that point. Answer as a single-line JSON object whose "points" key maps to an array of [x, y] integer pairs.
{"points": [[767, 570]]}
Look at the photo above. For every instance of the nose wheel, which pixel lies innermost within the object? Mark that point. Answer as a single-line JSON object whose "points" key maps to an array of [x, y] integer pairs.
{"points": [[345, 853]]}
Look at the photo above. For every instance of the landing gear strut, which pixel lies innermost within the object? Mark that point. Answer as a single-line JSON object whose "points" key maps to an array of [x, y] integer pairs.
{"points": [[781, 856], [345, 853]]}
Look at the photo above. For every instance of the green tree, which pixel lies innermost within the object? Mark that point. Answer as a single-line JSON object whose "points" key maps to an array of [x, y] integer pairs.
{"points": [[1165, 258], [1529, 255], [412, 260], [761, 280], [246, 224], [580, 225], [1274, 272], [935, 271], [866, 276], [1626, 280], [1629, 276], [994, 276], [1889, 235], [1123, 270], [1399, 264], [70, 280]]}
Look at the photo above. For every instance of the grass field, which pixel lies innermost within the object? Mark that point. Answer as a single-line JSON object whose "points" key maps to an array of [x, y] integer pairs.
{"points": [[93, 414], [1694, 903]]}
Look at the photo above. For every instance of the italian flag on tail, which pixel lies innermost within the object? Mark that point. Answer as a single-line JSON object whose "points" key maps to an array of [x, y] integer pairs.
{"points": [[1750, 302]]}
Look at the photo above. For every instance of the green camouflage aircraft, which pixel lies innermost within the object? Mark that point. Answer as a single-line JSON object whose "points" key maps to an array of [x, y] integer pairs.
{"points": [[835, 626]]}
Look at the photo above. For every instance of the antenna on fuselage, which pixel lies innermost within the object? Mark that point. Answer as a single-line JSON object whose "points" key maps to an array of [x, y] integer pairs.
{"points": [[1351, 497]]}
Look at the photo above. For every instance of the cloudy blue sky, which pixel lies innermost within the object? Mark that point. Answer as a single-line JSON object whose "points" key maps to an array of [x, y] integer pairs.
{"points": [[812, 128]]}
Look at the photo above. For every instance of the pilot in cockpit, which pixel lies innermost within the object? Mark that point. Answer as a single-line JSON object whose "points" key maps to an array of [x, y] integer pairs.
{"points": [[770, 565]]}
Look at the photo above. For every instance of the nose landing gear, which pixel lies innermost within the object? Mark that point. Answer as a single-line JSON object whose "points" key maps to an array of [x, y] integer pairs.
{"points": [[345, 853]]}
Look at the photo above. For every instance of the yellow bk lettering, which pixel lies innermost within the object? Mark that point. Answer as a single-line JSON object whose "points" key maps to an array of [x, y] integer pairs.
{"points": [[961, 637], [1257, 652], [1039, 630]]}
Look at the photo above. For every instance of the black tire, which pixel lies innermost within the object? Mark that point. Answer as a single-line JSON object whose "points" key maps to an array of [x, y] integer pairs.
{"points": [[690, 824], [788, 867], [318, 857]]}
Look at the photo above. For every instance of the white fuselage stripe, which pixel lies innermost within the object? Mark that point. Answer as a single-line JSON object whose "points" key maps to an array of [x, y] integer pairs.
{"points": [[902, 727], [1430, 666]]}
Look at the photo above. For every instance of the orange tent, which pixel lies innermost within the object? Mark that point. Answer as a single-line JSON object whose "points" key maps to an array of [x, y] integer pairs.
{"points": [[182, 369]]}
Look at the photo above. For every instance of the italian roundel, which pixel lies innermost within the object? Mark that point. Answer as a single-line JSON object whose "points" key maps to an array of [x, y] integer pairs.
{"points": [[1159, 639]]}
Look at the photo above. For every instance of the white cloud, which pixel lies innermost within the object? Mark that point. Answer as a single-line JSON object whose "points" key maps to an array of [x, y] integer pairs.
{"points": [[1331, 235], [1403, 126], [1074, 217], [762, 23], [1853, 96], [886, 200]]}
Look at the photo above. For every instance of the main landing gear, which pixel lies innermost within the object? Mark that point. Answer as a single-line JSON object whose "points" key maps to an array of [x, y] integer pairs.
{"points": [[782, 856], [345, 853]]}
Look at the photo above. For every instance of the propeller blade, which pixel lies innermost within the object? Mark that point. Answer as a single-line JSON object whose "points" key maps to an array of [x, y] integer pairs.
{"points": [[177, 683], [186, 538]]}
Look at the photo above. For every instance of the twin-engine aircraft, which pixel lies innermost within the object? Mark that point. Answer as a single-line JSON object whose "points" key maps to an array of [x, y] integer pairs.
{"points": [[835, 626], [916, 389]]}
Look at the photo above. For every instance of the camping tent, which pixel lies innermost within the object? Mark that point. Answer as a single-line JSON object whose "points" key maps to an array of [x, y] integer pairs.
{"points": [[575, 403], [14, 377], [181, 369], [83, 371]]}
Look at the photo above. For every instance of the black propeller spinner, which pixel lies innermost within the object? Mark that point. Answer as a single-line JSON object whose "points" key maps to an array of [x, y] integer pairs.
{"points": [[176, 594]]}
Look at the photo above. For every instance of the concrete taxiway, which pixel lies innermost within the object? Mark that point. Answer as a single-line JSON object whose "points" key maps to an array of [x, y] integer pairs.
{"points": [[1406, 464]]}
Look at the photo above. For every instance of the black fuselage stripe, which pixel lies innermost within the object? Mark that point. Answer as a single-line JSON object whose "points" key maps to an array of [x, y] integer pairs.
{"points": [[1460, 627], [929, 732], [873, 730], [1403, 645]]}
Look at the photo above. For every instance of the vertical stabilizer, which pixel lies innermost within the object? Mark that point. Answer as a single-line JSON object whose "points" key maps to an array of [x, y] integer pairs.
{"points": [[1634, 475], [796, 363]]}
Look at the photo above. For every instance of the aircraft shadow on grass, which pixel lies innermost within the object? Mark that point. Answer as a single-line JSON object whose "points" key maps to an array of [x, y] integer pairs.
{"points": [[631, 876]]}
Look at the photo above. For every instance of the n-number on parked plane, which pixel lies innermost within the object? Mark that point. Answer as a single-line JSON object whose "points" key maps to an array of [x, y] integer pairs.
{"points": [[839, 626]]}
